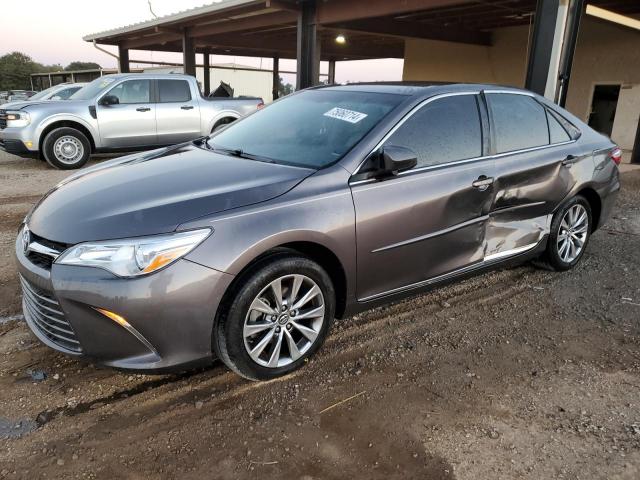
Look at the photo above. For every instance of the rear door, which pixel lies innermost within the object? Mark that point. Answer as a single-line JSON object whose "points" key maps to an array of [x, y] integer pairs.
{"points": [[430, 220], [535, 160], [177, 112], [131, 122]]}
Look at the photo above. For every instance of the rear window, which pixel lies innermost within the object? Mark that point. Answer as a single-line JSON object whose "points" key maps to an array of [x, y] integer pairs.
{"points": [[519, 122], [174, 91]]}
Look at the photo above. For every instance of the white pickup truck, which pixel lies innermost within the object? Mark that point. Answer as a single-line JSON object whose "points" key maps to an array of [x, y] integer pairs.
{"points": [[121, 112]]}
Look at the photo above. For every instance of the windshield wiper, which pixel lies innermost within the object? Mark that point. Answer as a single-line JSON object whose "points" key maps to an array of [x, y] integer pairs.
{"points": [[239, 153]]}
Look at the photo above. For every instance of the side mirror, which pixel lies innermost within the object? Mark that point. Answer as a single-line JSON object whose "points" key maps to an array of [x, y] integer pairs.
{"points": [[393, 159], [109, 100], [56, 97]]}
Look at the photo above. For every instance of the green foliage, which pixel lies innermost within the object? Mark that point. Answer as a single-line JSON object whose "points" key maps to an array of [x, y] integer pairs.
{"points": [[81, 66], [284, 88], [17, 67]]}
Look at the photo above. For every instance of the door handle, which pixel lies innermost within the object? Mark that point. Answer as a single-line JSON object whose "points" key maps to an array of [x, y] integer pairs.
{"points": [[187, 107], [569, 161], [142, 109], [482, 183]]}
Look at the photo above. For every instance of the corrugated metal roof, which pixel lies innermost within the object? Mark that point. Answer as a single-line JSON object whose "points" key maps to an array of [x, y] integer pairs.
{"points": [[174, 17]]}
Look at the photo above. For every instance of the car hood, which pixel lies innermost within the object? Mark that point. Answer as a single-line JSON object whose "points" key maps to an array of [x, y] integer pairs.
{"points": [[17, 105], [49, 104], [154, 193]]}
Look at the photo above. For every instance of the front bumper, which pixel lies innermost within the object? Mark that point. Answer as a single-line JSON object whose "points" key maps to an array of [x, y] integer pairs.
{"points": [[172, 310], [16, 141]]}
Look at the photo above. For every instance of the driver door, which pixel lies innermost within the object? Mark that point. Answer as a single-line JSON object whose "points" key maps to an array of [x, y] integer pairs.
{"points": [[430, 220], [132, 121]]}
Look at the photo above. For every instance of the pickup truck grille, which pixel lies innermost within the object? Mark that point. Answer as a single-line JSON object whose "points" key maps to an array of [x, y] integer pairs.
{"points": [[3, 119]]}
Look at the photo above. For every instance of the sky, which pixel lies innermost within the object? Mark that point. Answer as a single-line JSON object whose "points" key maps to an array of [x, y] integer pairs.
{"points": [[51, 32]]}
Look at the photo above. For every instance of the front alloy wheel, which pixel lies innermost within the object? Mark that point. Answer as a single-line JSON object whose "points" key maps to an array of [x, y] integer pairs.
{"points": [[284, 321], [279, 315]]}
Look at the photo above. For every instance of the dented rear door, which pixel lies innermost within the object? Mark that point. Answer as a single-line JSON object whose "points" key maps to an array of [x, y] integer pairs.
{"points": [[532, 179]]}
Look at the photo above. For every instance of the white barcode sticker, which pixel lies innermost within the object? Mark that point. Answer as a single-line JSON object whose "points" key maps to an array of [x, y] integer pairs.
{"points": [[345, 115]]}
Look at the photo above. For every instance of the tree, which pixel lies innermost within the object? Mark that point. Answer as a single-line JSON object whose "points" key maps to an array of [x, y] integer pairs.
{"points": [[16, 69], [284, 89], [82, 66]]}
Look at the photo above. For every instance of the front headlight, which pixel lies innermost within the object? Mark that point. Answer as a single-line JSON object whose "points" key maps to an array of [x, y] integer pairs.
{"points": [[17, 119], [134, 256]]}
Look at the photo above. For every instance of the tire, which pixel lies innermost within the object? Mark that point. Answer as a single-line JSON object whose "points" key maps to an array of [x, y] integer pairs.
{"points": [[238, 318], [556, 257], [66, 148]]}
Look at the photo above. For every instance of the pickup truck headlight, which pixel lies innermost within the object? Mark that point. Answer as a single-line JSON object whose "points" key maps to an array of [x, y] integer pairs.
{"points": [[17, 119], [134, 256]]}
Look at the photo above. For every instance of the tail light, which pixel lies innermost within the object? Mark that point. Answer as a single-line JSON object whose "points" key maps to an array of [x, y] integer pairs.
{"points": [[616, 155], [260, 105]]}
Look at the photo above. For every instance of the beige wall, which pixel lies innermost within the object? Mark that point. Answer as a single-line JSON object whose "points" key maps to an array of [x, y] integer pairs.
{"points": [[606, 53]]}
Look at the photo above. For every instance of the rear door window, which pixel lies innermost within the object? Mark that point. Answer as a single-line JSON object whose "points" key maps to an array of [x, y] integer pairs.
{"points": [[174, 91], [519, 122], [444, 130]]}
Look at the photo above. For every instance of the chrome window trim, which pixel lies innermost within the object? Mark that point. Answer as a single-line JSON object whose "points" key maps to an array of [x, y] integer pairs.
{"points": [[410, 114], [456, 162]]}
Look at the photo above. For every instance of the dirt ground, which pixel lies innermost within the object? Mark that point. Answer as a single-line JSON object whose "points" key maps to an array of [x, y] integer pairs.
{"points": [[519, 373]]}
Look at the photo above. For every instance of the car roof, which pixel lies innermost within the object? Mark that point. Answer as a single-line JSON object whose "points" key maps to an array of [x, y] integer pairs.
{"points": [[416, 88], [118, 76]]}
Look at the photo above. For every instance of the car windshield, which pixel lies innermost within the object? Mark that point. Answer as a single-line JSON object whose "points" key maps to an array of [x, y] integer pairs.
{"points": [[43, 93], [91, 90], [312, 129]]}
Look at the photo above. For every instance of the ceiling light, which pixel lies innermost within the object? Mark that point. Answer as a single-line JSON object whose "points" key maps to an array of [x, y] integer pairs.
{"points": [[341, 39], [613, 17]]}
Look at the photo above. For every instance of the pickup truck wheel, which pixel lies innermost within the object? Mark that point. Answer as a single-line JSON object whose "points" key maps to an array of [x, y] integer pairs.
{"points": [[278, 317], [66, 148]]}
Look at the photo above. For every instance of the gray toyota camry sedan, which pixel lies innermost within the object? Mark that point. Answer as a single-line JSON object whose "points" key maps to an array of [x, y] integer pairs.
{"points": [[247, 244]]}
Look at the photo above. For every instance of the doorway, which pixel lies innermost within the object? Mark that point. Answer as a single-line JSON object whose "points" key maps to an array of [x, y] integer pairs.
{"points": [[603, 108]]}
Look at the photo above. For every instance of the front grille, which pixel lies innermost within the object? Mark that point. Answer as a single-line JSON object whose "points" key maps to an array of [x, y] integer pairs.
{"points": [[3, 119], [40, 259], [47, 316]]}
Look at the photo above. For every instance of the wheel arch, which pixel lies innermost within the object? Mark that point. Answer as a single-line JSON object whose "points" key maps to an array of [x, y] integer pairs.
{"points": [[595, 202], [222, 118], [66, 123], [315, 251]]}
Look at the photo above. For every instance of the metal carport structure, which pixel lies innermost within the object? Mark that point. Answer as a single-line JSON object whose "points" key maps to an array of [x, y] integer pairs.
{"points": [[306, 30]]}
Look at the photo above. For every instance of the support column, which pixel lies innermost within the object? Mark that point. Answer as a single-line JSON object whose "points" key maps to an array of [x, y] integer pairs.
{"points": [[207, 73], [188, 54], [553, 44], [123, 59], [276, 78], [576, 11], [308, 47], [332, 71]]}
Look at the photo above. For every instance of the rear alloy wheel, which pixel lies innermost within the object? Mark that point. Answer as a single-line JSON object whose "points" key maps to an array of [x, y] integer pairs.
{"points": [[570, 232], [279, 318], [66, 148]]}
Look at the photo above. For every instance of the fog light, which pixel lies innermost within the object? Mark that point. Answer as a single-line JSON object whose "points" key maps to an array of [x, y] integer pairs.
{"points": [[28, 144]]}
